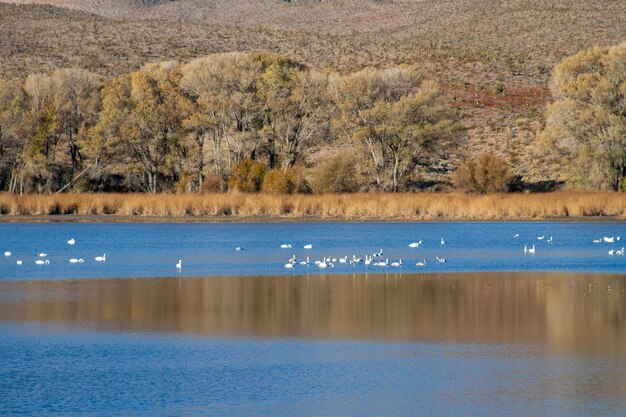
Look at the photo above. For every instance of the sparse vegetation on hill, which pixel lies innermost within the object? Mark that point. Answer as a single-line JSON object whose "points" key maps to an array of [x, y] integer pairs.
{"points": [[491, 61]]}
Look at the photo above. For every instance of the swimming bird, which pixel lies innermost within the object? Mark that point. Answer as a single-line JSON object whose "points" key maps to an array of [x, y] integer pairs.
{"points": [[343, 260], [42, 262], [421, 263], [597, 241], [415, 244], [549, 240], [19, 262], [322, 264], [292, 260], [440, 260], [102, 258], [397, 263], [541, 237], [179, 265], [238, 248], [71, 241], [612, 252], [356, 260], [368, 260], [7, 253], [73, 260], [308, 246], [532, 250], [620, 252], [443, 242], [516, 235], [305, 262], [42, 255], [608, 239], [289, 265], [285, 246]]}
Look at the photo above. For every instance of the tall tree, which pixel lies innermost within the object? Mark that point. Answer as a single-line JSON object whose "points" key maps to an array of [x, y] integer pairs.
{"points": [[141, 124], [397, 118], [586, 125]]}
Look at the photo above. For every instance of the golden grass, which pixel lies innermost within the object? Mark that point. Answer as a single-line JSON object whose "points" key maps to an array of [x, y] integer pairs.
{"points": [[424, 206]]}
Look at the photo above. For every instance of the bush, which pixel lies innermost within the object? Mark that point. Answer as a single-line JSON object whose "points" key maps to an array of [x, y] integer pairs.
{"points": [[213, 184], [337, 175], [488, 173], [247, 176], [283, 181]]}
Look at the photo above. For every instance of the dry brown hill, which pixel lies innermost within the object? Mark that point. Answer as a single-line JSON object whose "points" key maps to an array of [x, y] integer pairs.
{"points": [[493, 57]]}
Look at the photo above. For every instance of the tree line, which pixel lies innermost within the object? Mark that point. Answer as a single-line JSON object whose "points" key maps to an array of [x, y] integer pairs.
{"points": [[252, 121]]}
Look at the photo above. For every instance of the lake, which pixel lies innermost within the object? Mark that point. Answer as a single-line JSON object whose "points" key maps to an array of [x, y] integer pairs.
{"points": [[153, 249], [492, 331]]}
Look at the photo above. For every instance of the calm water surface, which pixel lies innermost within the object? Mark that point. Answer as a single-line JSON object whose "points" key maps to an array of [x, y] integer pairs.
{"points": [[153, 249], [351, 345], [235, 334]]}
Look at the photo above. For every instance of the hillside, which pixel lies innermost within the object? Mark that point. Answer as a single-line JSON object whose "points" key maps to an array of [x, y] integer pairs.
{"points": [[494, 59]]}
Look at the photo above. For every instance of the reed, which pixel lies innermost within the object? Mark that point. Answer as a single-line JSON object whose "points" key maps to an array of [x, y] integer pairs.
{"points": [[424, 206]]}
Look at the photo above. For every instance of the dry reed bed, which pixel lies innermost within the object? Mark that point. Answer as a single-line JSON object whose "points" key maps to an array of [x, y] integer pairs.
{"points": [[425, 206]]}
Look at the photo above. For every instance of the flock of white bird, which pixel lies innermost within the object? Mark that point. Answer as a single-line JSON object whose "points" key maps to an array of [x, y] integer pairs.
{"points": [[42, 255], [374, 259], [605, 239]]}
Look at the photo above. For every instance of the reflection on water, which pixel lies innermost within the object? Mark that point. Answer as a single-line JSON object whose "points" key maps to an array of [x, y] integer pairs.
{"points": [[339, 345], [578, 313]]}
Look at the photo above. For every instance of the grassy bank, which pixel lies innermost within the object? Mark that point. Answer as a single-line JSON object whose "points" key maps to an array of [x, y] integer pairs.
{"points": [[425, 206]]}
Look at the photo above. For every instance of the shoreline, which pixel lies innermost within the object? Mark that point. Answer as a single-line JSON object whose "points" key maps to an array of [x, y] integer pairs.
{"points": [[359, 207], [112, 218]]}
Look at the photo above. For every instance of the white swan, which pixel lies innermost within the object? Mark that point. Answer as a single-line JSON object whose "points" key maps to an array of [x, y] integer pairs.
{"points": [[597, 241], [42, 262], [42, 255], [19, 262], [71, 241], [7, 253], [541, 237], [549, 240], [73, 260], [102, 258], [292, 260], [397, 263], [289, 265], [308, 246], [322, 264], [179, 265], [421, 263], [612, 252], [238, 248], [305, 262], [415, 244], [609, 239], [516, 235], [620, 252], [343, 260], [440, 260], [285, 246], [532, 250], [443, 242]]}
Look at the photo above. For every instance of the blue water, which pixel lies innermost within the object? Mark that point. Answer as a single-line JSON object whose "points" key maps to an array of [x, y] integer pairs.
{"points": [[110, 374], [153, 249]]}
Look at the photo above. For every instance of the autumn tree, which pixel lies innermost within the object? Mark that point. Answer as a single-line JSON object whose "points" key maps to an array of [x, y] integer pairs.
{"points": [[141, 125], [586, 124], [396, 118], [225, 113]]}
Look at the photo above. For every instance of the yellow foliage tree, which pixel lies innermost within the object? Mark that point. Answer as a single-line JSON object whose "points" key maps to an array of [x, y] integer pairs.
{"points": [[586, 124]]}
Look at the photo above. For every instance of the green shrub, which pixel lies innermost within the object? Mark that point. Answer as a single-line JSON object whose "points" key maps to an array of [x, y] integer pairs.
{"points": [[488, 173], [247, 176]]}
